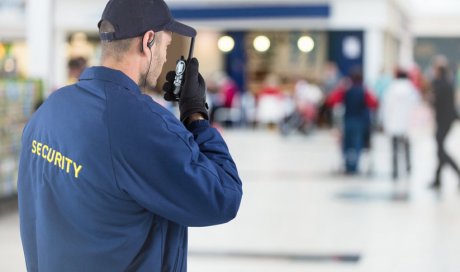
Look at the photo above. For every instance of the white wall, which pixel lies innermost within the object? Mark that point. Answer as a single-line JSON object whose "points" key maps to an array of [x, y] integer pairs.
{"points": [[400, 28], [436, 26], [12, 24], [358, 14], [82, 15], [433, 18], [40, 38]]}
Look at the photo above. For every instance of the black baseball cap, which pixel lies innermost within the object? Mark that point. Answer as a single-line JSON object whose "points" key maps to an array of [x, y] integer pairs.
{"points": [[132, 18]]}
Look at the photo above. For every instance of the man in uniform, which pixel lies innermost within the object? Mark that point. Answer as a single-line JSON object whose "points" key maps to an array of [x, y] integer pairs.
{"points": [[108, 179]]}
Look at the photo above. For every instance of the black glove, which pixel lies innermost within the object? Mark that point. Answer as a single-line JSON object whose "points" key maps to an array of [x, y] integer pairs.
{"points": [[192, 97], [168, 87]]}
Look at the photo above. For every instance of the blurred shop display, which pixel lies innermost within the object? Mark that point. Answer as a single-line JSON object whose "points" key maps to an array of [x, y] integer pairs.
{"points": [[18, 100], [288, 54], [80, 45], [13, 60], [426, 48]]}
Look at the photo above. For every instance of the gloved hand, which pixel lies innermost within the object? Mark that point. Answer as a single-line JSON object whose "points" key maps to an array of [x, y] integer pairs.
{"points": [[192, 97]]}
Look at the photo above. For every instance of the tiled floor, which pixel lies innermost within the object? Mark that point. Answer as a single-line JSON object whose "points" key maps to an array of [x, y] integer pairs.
{"points": [[300, 214], [296, 203]]}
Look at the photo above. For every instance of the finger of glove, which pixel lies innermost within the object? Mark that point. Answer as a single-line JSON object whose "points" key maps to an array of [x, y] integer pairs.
{"points": [[191, 79], [201, 81], [168, 87], [192, 69], [170, 76], [193, 65], [169, 97]]}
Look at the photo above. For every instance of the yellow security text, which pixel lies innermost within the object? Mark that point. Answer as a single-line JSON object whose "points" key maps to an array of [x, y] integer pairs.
{"points": [[56, 158]]}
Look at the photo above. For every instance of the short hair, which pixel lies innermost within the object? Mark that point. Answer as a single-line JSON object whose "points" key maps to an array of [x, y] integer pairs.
{"points": [[77, 63], [441, 66], [356, 74], [115, 48], [401, 73]]}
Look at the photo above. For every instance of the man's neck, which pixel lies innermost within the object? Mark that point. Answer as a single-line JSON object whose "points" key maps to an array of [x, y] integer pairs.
{"points": [[128, 66]]}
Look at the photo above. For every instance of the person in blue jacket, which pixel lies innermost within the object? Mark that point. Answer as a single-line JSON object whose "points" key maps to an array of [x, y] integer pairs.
{"points": [[357, 101], [108, 179]]}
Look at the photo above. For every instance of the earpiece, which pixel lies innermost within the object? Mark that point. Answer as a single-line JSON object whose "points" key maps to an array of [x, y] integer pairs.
{"points": [[150, 43]]}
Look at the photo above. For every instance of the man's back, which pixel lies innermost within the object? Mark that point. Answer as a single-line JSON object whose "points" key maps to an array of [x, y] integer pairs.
{"points": [[69, 189], [90, 197], [355, 103]]}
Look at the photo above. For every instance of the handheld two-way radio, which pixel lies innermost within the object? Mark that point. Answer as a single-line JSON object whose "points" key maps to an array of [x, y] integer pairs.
{"points": [[181, 66]]}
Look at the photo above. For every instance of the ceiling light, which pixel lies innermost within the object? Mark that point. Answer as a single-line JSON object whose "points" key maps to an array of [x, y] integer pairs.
{"points": [[226, 44], [306, 44], [261, 43]]}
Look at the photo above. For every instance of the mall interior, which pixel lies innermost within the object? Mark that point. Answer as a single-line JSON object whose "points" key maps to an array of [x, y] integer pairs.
{"points": [[271, 68]]}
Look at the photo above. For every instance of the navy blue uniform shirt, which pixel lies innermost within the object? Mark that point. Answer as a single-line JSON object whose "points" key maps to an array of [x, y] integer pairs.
{"points": [[109, 180]]}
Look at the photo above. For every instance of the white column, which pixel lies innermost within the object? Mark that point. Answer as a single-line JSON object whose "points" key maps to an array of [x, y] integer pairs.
{"points": [[407, 50], [59, 56], [373, 55], [40, 17]]}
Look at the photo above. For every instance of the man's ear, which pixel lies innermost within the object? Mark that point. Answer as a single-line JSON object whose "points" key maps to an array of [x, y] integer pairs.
{"points": [[148, 40]]}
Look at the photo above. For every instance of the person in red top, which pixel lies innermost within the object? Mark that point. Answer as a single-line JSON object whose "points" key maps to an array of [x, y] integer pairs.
{"points": [[270, 99], [357, 101], [224, 94]]}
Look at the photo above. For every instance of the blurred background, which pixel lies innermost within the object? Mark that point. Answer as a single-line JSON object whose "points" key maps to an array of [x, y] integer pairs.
{"points": [[323, 192]]}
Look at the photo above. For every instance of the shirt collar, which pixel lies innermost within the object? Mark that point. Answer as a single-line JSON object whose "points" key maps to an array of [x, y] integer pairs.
{"points": [[111, 75]]}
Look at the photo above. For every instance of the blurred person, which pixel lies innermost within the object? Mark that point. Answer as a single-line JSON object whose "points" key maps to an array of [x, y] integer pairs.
{"points": [[382, 83], [307, 93], [416, 76], [331, 80], [270, 101], [224, 95], [445, 114], [304, 104], [76, 66], [271, 86], [357, 101], [380, 87], [422, 79], [398, 103], [108, 179]]}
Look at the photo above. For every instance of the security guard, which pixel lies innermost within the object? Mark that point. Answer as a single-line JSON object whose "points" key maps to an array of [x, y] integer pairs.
{"points": [[108, 179]]}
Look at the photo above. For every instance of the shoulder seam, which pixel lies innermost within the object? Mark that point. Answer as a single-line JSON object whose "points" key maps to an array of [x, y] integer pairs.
{"points": [[109, 136], [144, 103]]}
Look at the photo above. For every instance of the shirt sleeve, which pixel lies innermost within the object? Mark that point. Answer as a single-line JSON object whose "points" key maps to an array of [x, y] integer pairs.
{"points": [[371, 100], [184, 175], [336, 97]]}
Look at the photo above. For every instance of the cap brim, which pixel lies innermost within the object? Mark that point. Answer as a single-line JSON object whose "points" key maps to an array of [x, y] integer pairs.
{"points": [[181, 29]]}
